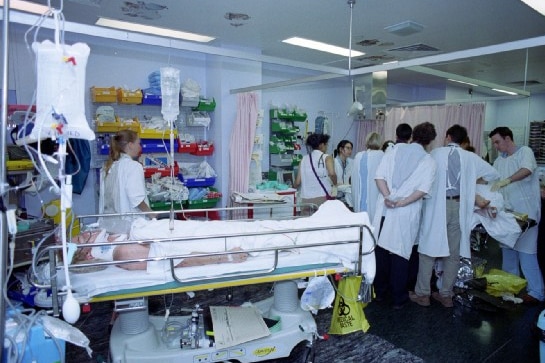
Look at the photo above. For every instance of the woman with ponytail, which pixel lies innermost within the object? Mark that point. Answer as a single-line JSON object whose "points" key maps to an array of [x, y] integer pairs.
{"points": [[122, 183]]}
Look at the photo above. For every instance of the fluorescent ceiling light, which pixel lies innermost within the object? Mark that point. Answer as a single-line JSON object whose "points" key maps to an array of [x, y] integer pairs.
{"points": [[457, 81], [323, 47], [148, 29], [537, 5], [26, 6], [504, 91]]}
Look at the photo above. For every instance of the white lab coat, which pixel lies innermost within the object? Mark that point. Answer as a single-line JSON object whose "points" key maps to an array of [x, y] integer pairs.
{"points": [[365, 187], [432, 238], [121, 192], [522, 196], [400, 228], [310, 187], [343, 179]]}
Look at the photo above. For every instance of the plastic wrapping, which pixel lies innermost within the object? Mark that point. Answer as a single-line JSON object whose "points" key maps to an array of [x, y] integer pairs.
{"points": [[319, 294], [62, 330]]}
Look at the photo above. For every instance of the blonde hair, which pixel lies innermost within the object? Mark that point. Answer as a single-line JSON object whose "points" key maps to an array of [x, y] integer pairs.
{"points": [[373, 141], [118, 144]]}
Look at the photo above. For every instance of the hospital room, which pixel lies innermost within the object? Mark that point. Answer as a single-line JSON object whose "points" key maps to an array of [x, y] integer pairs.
{"points": [[276, 181]]}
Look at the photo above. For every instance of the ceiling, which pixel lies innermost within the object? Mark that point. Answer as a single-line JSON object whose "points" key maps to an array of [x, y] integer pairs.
{"points": [[456, 37]]}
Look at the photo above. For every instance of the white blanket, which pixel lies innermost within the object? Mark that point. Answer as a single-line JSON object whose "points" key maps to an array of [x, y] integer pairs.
{"points": [[504, 228], [331, 214]]}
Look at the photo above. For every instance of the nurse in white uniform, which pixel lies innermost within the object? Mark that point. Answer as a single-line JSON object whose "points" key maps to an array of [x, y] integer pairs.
{"points": [[122, 183]]}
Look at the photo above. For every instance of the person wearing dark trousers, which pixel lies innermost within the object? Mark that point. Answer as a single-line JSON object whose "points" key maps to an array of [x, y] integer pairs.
{"points": [[404, 176]]}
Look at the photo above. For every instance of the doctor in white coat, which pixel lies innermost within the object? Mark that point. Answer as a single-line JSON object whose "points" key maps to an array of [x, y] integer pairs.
{"points": [[519, 185], [404, 176], [446, 220], [364, 188]]}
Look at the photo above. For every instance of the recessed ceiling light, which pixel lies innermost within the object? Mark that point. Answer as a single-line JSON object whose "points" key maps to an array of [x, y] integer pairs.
{"points": [[26, 6], [504, 91], [148, 29], [323, 47], [537, 5], [407, 27]]}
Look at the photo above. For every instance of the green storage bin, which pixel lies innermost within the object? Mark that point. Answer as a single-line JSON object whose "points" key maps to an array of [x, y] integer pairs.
{"points": [[203, 203], [165, 206], [205, 104]]}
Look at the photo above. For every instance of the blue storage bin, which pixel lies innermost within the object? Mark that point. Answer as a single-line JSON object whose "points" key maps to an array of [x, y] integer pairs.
{"points": [[157, 145], [104, 149], [151, 96], [197, 182]]}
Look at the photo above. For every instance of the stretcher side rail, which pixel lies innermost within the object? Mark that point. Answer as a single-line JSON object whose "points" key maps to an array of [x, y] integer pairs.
{"points": [[234, 278], [229, 211], [267, 270], [225, 236]]}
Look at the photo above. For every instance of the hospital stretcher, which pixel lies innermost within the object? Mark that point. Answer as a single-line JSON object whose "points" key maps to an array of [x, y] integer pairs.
{"points": [[337, 241]]}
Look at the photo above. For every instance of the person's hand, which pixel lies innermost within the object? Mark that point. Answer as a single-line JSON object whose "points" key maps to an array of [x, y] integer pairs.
{"points": [[500, 184], [389, 203]]}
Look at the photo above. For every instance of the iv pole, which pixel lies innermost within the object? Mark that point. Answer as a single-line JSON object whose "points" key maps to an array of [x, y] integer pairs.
{"points": [[3, 184]]}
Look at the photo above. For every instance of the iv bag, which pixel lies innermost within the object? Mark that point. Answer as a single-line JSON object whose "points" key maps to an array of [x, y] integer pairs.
{"points": [[170, 93], [60, 92]]}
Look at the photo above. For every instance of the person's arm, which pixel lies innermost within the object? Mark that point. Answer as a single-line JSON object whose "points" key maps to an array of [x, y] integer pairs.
{"points": [[383, 187], [215, 259], [298, 177], [144, 207], [385, 191], [416, 195], [519, 175], [330, 166]]}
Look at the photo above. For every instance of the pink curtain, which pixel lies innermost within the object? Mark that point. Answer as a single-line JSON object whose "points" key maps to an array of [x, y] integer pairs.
{"points": [[364, 128], [242, 142], [471, 116]]}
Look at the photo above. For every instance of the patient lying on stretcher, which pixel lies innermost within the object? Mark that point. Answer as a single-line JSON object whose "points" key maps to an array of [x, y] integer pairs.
{"points": [[136, 251], [225, 240]]}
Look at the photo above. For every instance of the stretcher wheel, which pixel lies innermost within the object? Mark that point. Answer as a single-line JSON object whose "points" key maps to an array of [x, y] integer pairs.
{"points": [[309, 354]]}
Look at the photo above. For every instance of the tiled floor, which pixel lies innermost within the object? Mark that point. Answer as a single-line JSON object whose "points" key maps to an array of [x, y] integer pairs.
{"points": [[461, 334], [435, 333]]}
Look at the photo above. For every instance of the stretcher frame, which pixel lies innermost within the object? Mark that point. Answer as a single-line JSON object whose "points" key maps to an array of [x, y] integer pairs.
{"points": [[269, 274], [278, 345]]}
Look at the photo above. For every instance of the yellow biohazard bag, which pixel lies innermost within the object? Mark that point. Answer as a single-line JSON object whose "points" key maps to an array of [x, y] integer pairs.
{"points": [[499, 282], [348, 315]]}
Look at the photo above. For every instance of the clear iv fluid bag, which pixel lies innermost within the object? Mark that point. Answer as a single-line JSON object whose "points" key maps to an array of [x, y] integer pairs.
{"points": [[170, 93], [60, 91]]}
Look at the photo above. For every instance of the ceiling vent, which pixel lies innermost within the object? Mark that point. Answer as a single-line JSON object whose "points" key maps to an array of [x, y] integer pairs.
{"points": [[414, 48], [405, 28], [372, 42], [377, 58]]}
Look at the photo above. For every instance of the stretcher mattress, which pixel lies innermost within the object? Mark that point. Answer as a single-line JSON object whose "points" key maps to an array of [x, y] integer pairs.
{"points": [[332, 223]]}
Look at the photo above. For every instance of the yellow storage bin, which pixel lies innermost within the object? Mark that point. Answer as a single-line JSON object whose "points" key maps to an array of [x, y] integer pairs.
{"points": [[14, 165], [129, 97], [156, 134], [102, 94], [118, 125]]}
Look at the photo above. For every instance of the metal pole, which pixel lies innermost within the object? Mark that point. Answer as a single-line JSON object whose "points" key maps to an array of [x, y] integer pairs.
{"points": [[3, 184]]}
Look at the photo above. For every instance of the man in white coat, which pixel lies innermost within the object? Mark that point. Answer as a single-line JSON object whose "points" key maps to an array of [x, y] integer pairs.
{"points": [[446, 221], [519, 185], [404, 176]]}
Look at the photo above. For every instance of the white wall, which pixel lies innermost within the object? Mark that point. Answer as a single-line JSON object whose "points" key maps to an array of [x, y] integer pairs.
{"points": [[128, 65]]}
